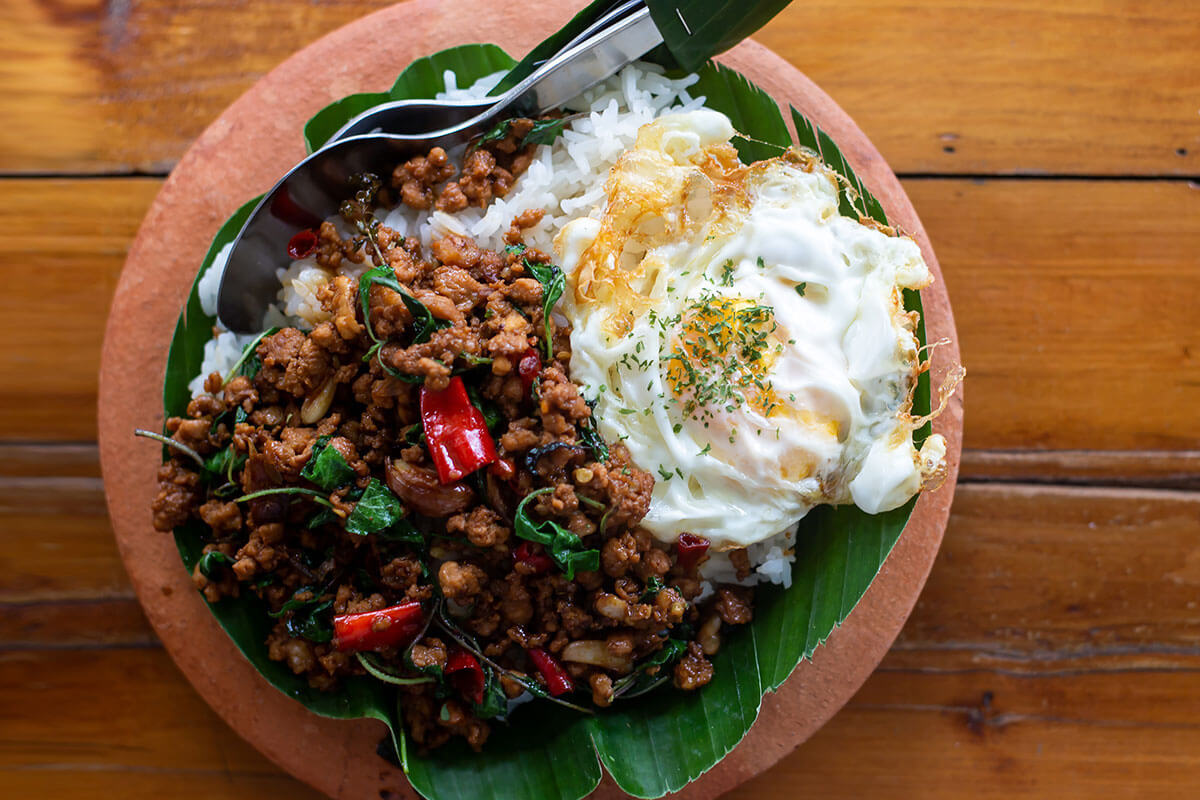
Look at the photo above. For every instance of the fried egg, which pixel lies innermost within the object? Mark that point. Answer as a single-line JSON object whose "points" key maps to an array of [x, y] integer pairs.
{"points": [[744, 340]]}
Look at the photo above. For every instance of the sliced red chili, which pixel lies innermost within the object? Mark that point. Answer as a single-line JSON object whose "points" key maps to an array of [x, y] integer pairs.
{"points": [[455, 431], [528, 368], [531, 557], [373, 630], [557, 680], [504, 469], [466, 675], [302, 244], [690, 548]]}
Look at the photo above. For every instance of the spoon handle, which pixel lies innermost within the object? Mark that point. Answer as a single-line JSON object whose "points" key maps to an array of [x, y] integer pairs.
{"points": [[614, 41]]}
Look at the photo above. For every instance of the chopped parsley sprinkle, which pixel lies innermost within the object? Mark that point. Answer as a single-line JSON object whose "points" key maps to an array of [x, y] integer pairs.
{"points": [[627, 410], [721, 355], [666, 474], [677, 427], [761, 265], [801, 287], [707, 449], [727, 273]]}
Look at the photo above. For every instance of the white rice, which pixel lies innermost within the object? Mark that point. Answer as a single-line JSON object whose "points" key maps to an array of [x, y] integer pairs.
{"points": [[566, 180]]}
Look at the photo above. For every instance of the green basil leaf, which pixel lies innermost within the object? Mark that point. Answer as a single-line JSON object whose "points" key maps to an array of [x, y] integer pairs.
{"points": [[565, 548], [402, 531], [545, 131], [221, 464], [248, 363], [553, 283], [495, 701], [377, 510], [589, 436], [312, 623], [326, 467]]}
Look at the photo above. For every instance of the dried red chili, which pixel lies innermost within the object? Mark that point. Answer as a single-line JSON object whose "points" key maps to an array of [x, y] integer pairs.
{"points": [[466, 675], [529, 366], [535, 561], [557, 680], [690, 548], [302, 244]]}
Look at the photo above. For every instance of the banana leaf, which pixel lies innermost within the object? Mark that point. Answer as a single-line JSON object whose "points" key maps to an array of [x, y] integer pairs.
{"points": [[667, 738]]}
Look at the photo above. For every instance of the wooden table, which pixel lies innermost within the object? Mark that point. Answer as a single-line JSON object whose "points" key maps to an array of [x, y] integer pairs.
{"points": [[1047, 146]]}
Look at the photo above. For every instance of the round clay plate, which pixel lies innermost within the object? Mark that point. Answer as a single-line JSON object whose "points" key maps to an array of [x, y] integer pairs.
{"points": [[242, 154]]}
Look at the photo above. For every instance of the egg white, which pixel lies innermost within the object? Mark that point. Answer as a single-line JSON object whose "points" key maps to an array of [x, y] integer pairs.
{"points": [[817, 411]]}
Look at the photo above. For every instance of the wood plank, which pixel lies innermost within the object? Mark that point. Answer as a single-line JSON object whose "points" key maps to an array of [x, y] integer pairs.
{"points": [[1163, 469], [1048, 576], [1076, 317], [1056, 289], [58, 460], [54, 316], [102, 780], [1085, 87], [946, 738], [1112, 735], [64, 624]]}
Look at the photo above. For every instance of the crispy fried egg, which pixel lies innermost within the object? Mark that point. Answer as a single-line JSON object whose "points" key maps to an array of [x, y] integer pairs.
{"points": [[746, 342]]}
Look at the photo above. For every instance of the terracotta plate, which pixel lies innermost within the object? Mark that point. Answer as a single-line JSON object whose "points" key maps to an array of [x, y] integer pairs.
{"points": [[241, 155]]}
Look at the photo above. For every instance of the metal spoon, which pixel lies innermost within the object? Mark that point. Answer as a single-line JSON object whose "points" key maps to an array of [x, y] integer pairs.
{"points": [[315, 187], [425, 116]]}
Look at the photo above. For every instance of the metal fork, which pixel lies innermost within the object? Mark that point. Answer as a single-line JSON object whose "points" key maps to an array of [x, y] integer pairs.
{"points": [[313, 190]]}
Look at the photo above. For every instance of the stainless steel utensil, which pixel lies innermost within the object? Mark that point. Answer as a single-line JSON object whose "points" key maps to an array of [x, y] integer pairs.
{"points": [[314, 188], [425, 116]]}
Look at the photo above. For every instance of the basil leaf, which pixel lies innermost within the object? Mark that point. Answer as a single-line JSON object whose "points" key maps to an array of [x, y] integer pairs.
{"points": [[322, 517], [402, 531], [377, 510], [545, 131], [495, 701], [589, 435], [565, 548], [553, 283], [210, 561], [249, 363], [222, 464], [312, 623], [424, 323], [310, 617], [326, 467], [492, 417], [498, 132], [654, 585]]}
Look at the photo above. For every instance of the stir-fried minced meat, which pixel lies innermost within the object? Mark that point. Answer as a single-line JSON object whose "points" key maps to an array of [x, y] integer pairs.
{"points": [[321, 493]]}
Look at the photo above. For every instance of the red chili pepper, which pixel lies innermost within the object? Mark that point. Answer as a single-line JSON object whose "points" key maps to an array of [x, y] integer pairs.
{"points": [[457, 435], [503, 468], [528, 368], [466, 675], [690, 549], [557, 679], [537, 562], [373, 630], [302, 244]]}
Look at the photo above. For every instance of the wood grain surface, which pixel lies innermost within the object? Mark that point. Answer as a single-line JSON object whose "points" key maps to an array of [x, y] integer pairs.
{"points": [[1051, 151]]}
